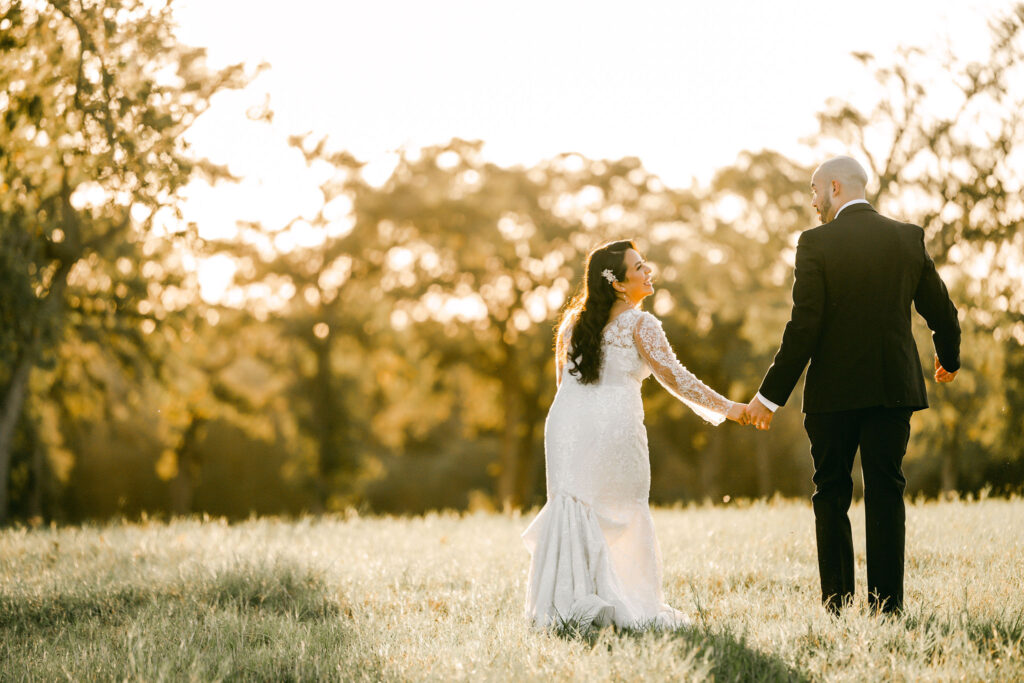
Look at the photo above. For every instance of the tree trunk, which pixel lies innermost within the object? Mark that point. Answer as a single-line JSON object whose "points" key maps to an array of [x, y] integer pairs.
{"points": [[510, 448], [762, 457], [35, 501], [525, 468], [326, 416], [17, 388], [710, 467], [509, 476], [184, 483], [14, 402], [951, 466]]}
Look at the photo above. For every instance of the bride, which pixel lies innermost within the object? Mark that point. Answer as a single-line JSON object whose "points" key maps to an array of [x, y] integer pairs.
{"points": [[595, 559]]}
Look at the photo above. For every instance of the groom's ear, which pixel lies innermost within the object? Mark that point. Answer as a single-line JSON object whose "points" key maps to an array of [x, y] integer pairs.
{"points": [[836, 188]]}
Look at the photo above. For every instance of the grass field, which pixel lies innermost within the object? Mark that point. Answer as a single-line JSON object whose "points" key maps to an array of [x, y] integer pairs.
{"points": [[440, 597]]}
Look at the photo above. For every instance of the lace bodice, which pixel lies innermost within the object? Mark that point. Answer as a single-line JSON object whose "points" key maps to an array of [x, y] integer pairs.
{"points": [[634, 346]]}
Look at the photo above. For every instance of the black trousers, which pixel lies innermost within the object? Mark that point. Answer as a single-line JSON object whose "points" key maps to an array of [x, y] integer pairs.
{"points": [[882, 435]]}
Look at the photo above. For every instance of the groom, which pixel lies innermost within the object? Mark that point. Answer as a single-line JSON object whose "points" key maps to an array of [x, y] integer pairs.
{"points": [[856, 277]]}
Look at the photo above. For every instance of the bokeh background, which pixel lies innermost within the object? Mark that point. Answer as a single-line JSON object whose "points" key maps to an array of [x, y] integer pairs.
{"points": [[274, 259]]}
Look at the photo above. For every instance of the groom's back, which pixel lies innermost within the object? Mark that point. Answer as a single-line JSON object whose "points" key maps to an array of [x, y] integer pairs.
{"points": [[866, 355]]}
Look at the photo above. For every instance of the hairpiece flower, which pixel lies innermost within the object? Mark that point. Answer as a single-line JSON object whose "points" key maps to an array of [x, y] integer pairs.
{"points": [[609, 275]]}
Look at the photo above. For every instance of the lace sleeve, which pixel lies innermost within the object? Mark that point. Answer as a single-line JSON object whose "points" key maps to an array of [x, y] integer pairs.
{"points": [[654, 348]]}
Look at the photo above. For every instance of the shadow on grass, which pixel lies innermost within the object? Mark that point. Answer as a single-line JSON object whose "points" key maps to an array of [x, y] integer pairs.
{"points": [[263, 621], [733, 659], [282, 588], [730, 656]]}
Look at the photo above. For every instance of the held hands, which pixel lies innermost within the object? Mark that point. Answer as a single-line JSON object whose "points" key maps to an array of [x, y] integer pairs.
{"points": [[754, 413], [737, 413], [757, 414], [941, 374]]}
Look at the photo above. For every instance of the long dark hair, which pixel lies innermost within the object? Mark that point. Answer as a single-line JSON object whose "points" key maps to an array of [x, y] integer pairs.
{"points": [[590, 308]]}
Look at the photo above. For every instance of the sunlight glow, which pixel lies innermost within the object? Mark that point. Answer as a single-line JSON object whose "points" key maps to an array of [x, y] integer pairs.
{"points": [[661, 101], [215, 276], [380, 168], [88, 195], [399, 258], [729, 208]]}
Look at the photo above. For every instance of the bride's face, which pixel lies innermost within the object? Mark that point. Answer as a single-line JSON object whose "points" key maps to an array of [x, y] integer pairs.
{"points": [[637, 285]]}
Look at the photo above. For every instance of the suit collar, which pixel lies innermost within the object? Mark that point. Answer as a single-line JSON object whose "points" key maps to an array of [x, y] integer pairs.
{"points": [[850, 208]]}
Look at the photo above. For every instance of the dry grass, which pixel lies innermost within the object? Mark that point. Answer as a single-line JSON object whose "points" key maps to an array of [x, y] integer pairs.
{"points": [[440, 597]]}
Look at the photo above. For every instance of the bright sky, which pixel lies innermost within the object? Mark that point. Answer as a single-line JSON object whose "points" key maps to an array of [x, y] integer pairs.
{"points": [[683, 86]]}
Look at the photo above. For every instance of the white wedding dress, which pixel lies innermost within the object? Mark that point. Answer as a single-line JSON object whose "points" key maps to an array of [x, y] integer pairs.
{"points": [[595, 558]]}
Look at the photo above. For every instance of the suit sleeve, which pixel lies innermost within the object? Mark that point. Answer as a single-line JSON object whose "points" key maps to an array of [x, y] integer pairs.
{"points": [[933, 303], [802, 331]]}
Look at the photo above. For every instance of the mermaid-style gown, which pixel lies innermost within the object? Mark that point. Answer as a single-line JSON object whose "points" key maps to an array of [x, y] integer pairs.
{"points": [[595, 558]]}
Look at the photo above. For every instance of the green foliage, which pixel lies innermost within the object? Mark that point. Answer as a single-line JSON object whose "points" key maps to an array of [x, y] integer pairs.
{"points": [[950, 163], [95, 97], [402, 360], [460, 267]]}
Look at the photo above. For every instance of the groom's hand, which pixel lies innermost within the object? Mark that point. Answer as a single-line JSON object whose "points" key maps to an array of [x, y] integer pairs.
{"points": [[758, 414], [941, 374]]}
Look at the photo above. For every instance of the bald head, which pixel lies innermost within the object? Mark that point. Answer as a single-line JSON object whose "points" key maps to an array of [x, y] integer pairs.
{"points": [[847, 171], [836, 182]]}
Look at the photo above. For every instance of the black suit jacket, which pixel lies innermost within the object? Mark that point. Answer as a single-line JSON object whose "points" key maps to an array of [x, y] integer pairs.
{"points": [[856, 278]]}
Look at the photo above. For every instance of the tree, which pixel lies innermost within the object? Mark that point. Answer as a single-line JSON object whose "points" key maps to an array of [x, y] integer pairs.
{"points": [[724, 297], [943, 140], [473, 262], [95, 98], [326, 307], [489, 255]]}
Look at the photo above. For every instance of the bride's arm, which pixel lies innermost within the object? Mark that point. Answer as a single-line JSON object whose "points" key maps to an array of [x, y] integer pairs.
{"points": [[562, 350], [559, 359], [654, 348]]}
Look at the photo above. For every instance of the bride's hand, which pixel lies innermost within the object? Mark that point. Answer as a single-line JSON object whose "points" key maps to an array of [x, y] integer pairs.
{"points": [[737, 413]]}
